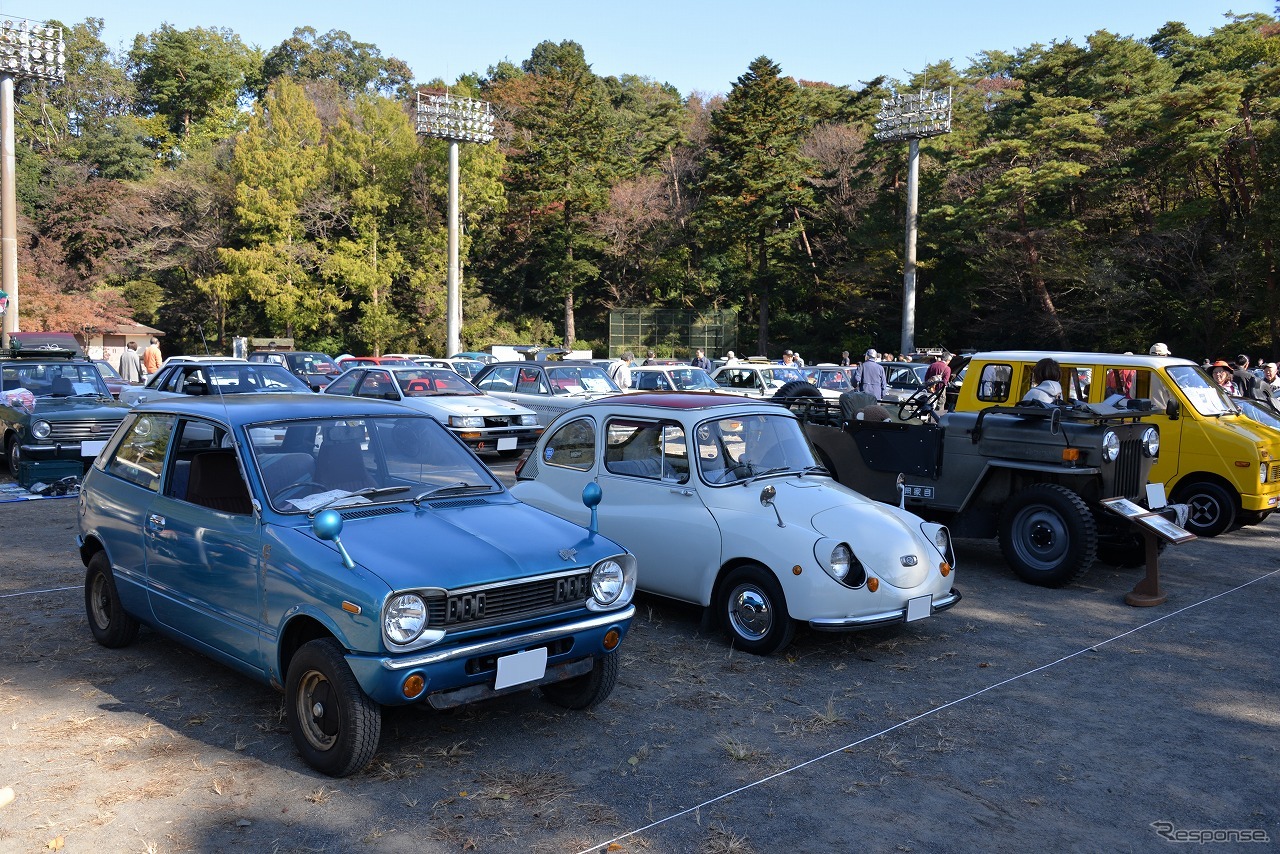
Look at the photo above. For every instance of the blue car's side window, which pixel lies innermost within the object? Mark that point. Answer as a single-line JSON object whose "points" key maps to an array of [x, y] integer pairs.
{"points": [[139, 457]]}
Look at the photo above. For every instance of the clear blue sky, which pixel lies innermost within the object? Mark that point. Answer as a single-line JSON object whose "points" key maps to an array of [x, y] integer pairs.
{"points": [[696, 45]]}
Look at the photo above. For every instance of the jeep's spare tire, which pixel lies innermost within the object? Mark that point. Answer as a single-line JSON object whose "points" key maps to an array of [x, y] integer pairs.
{"points": [[1048, 535], [797, 388]]}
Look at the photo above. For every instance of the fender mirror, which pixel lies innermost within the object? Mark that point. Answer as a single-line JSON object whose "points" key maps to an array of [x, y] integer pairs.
{"points": [[1173, 409]]}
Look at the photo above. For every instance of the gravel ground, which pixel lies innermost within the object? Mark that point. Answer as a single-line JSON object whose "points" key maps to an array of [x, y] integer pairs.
{"points": [[1023, 719]]}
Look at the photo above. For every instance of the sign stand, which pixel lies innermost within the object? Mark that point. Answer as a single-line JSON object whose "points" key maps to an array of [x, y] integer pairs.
{"points": [[1155, 526]]}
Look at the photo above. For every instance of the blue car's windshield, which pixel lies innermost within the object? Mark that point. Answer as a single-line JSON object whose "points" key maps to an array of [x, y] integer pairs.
{"points": [[333, 462]]}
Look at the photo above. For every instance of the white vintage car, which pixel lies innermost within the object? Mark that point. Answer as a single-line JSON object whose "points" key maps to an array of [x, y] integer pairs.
{"points": [[724, 505]]}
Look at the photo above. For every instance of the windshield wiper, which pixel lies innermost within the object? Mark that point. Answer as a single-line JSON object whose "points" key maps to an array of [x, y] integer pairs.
{"points": [[766, 472], [367, 492], [813, 470], [460, 486]]}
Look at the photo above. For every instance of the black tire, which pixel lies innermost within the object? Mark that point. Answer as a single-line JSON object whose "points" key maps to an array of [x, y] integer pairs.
{"points": [[13, 455], [1048, 535], [753, 611], [112, 626], [1212, 508], [797, 389], [1127, 553], [588, 690], [334, 724]]}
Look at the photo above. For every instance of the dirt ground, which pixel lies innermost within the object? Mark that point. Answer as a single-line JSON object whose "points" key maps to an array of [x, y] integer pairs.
{"points": [[1023, 719]]}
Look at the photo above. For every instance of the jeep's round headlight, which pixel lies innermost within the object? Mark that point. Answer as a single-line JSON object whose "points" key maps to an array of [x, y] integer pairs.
{"points": [[41, 429], [841, 560], [1110, 446], [528, 420], [1151, 442], [607, 581], [466, 422], [404, 618]]}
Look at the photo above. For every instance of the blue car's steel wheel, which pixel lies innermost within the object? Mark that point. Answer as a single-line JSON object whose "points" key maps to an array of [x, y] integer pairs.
{"points": [[334, 724], [111, 625], [754, 610]]}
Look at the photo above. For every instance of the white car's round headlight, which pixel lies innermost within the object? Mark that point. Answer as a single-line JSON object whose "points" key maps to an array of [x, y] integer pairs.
{"points": [[528, 420], [1151, 442], [841, 560], [607, 581], [404, 618], [466, 422], [1110, 446], [41, 429]]}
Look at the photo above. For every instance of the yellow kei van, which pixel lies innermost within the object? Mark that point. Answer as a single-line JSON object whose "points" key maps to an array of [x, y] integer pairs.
{"points": [[1223, 465]]}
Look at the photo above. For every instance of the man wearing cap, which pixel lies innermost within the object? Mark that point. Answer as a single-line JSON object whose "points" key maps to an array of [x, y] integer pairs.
{"points": [[1270, 383], [788, 358], [872, 378], [1245, 380], [1158, 349]]}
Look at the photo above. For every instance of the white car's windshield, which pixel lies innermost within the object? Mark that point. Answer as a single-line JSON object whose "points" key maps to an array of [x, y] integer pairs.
{"points": [[741, 448], [1205, 395], [425, 382], [579, 379], [306, 465]]}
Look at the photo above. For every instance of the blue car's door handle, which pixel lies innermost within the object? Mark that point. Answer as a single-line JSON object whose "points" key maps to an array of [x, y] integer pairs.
{"points": [[155, 522]]}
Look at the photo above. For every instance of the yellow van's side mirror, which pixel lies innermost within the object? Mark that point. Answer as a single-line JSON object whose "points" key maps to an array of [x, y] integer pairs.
{"points": [[1173, 409]]}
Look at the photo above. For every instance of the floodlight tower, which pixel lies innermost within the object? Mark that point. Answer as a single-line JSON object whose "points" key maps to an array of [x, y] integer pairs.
{"points": [[912, 117], [456, 120], [28, 50]]}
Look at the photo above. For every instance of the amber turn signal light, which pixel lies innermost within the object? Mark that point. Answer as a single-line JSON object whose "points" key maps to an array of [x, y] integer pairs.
{"points": [[944, 568], [1071, 455], [611, 639], [873, 584], [413, 686]]}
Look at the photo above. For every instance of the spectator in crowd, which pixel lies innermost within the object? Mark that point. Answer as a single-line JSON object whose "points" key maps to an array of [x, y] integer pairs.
{"points": [[1224, 377], [700, 360], [1270, 383], [650, 358], [1046, 382], [799, 361], [844, 359], [620, 371], [1244, 378], [130, 364], [788, 358], [151, 358], [872, 377], [730, 359], [1159, 349]]}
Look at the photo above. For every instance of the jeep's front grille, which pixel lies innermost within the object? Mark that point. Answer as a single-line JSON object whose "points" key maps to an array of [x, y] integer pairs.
{"points": [[1128, 481], [90, 430], [481, 606]]}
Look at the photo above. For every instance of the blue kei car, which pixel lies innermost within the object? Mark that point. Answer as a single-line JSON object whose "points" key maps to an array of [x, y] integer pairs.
{"points": [[351, 552]]}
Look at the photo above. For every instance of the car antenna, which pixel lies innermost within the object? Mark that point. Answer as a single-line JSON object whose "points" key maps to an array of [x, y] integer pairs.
{"points": [[208, 372]]}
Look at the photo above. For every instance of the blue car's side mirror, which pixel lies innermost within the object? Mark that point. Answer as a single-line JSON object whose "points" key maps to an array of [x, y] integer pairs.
{"points": [[327, 526], [591, 495]]}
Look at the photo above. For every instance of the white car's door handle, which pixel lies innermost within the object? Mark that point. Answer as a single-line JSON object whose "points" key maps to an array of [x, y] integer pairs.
{"points": [[681, 491]]}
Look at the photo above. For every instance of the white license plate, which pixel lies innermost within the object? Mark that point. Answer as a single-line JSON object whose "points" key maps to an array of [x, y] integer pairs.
{"points": [[919, 608], [521, 667], [91, 449], [506, 444]]}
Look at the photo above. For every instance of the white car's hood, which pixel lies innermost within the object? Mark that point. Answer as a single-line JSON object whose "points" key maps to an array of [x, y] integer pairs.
{"points": [[887, 539], [470, 404]]}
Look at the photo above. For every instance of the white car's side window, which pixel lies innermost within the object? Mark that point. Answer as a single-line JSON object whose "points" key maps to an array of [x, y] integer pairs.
{"points": [[572, 446]]}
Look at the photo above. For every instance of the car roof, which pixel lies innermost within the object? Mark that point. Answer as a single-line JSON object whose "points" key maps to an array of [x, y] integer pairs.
{"points": [[251, 408], [528, 363], [1130, 360], [705, 400]]}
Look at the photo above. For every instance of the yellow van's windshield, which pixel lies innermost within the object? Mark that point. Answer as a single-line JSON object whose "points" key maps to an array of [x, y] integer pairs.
{"points": [[1204, 394]]}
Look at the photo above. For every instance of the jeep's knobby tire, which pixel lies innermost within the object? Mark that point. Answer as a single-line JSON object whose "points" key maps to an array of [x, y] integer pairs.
{"points": [[797, 389], [753, 610], [334, 723], [1048, 535], [1127, 553], [110, 624], [1211, 508], [588, 690]]}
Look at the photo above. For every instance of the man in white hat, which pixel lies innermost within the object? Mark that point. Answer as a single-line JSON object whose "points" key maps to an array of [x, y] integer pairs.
{"points": [[872, 378], [1159, 349]]}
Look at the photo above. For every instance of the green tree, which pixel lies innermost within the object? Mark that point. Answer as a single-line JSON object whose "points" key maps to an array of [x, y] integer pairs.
{"points": [[755, 183], [356, 67]]}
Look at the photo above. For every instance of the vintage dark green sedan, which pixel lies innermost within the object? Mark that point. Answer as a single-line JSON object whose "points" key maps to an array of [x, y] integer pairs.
{"points": [[54, 406], [354, 553]]}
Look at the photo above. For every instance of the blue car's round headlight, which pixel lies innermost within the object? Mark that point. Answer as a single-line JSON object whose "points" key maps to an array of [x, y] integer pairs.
{"points": [[607, 581], [404, 618]]}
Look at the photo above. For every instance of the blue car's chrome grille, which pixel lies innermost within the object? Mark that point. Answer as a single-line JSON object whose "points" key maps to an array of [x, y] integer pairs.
{"points": [[502, 603]]}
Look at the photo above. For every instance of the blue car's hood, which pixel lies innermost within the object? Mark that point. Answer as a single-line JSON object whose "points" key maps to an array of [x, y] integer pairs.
{"points": [[462, 546]]}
